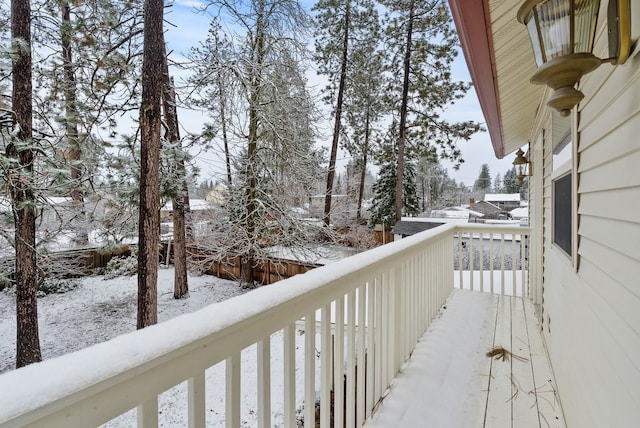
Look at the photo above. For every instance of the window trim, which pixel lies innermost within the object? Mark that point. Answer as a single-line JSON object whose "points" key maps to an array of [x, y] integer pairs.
{"points": [[568, 167]]}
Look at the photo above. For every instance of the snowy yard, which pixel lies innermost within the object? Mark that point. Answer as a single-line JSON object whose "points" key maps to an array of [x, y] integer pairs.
{"points": [[99, 310]]}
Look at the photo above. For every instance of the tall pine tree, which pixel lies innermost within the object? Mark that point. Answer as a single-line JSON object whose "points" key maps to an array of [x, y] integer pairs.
{"points": [[422, 45], [383, 205]]}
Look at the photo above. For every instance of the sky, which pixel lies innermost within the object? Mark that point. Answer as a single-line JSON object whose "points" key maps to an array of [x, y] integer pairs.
{"points": [[190, 28]]}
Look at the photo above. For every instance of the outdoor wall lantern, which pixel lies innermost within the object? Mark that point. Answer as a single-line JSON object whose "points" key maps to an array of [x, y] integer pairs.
{"points": [[562, 34], [522, 165]]}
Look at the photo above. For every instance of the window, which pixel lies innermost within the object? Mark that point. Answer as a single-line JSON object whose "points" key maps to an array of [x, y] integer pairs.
{"points": [[562, 213], [562, 184]]}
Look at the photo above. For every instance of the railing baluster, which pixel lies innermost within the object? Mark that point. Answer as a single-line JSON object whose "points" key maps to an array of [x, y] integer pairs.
{"points": [[147, 414], [396, 320], [471, 262], [385, 348], [325, 367], [289, 389], [264, 382], [491, 261], [502, 277], [232, 394], [460, 260], [196, 401], [361, 358], [310, 369], [351, 361], [338, 380], [481, 249], [379, 345], [514, 261], [371, 351], [525, 289]]}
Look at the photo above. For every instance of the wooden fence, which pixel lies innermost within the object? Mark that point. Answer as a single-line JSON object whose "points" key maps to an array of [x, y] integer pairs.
{"points": [[65, 264], [267, 272]]}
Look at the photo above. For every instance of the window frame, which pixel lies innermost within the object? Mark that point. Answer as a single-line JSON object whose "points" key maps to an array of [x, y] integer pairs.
{"points": [[560, 171]]}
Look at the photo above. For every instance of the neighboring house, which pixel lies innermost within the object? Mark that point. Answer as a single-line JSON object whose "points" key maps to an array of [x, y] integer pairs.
{"points": [[316, 204], [455, 213], [584, 202], [199, 208], [487, 208], [519, 213], [505, 201], [411, 226], [218, 195]]}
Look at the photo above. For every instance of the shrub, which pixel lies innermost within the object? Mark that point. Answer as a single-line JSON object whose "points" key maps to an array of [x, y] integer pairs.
{"points": [[56, 286], [119, 266]]}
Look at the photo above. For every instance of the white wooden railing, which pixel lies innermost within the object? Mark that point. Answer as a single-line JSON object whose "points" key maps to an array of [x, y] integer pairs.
{"points": [[367, 313], [493, 258]]}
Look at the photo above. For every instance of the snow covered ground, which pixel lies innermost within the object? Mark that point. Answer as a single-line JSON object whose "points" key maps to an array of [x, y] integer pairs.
{"points": [[439, 385], [99, 310]]}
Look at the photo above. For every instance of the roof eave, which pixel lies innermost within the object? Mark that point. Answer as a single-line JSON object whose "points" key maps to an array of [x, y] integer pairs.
{"points": [[474, 31]]}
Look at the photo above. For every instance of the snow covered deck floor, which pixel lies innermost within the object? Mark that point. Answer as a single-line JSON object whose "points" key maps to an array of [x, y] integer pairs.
{"points": [[450, 382]]}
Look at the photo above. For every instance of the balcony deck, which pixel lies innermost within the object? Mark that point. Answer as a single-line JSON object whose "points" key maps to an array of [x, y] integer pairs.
{"points": [[373, 307], [449, 380]]}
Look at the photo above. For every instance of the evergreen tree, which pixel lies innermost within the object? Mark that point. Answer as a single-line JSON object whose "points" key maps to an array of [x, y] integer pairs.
{"points": [[422, 44], [364, 104], [483, 182], [214, 88], [383, 205], [340, 26], [497, 183], [510, 182], [437, 189]]}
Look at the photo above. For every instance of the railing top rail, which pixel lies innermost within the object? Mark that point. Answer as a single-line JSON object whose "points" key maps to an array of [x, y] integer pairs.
{"points": [[239, 322]]}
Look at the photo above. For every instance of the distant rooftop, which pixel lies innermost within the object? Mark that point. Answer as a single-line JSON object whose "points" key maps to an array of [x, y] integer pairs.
{"points": [[411, 227], [502, 197]]}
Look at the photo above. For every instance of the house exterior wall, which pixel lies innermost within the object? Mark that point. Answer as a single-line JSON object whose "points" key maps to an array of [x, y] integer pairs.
{"points": [[591, 298]]}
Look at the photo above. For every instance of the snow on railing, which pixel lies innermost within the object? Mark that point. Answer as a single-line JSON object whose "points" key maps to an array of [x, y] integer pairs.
{"points": [[367, 312], [492, 258]]}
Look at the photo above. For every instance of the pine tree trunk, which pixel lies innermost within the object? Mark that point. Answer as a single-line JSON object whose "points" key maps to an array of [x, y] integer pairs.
{"points": [[149, 210], [248, 259], [73, 151], [338, 117], [22, 196], [180, 284], [223, 124], [403, 117], [363, 173]]}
